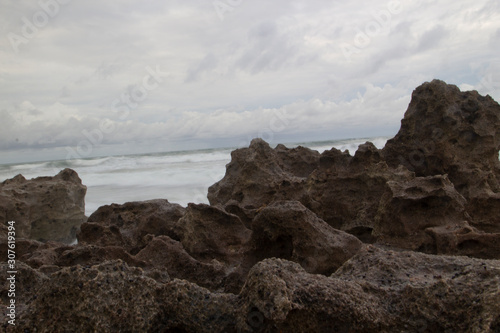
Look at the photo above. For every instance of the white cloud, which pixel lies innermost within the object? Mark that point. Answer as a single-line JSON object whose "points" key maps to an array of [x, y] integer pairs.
{"points": [[229, 78], [59, 125]]}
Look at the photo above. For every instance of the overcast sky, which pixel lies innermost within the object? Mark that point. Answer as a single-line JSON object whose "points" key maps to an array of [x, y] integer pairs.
{"points": [[86, 78]]}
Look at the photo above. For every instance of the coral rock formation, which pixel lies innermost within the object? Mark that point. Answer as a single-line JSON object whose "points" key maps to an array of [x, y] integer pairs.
{"points": [[402, 239], [45, 208]]}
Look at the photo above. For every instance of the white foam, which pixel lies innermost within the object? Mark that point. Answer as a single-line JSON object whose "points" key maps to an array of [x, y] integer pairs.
{"points": [[350, 144]]}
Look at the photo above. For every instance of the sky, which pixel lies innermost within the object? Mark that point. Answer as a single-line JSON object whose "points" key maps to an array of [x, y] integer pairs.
{"points": [[90, 78]]}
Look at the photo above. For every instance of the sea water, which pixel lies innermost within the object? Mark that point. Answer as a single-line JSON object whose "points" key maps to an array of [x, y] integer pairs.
{"points": [[181, 177]]}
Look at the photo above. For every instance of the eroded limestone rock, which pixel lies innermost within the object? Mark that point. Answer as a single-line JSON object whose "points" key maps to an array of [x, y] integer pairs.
{"points": [[44, 208]]}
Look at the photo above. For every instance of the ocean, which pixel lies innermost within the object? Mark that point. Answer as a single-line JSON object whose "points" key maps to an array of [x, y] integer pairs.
{"points": [[181, 177]]}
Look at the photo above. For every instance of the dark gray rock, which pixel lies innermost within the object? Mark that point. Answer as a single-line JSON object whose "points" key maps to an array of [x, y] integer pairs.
{"points": [[44, 208], [127, 225]]}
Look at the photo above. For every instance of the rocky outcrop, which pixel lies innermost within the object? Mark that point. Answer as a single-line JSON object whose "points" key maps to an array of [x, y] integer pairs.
{"points": [[127, 225], [375, 291], [163, 254], [408, 208], [346, 191], [294, 241], [446, 131], [211, 233], [45, 208], [331, 186], [441, 170], [427, 293], [114, 297], [288, 230], [464, 239], [205, 244], [259, 175]]}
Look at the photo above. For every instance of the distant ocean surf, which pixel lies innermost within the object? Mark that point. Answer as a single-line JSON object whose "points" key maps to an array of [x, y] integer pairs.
{"points": [[181, 177]]}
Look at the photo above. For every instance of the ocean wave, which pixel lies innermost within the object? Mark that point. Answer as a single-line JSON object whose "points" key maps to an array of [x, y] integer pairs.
{"points": [[177, 176], [346, 144]]}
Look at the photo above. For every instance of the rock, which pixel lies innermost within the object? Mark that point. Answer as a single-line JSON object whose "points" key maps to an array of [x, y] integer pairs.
{"points": [[341, 189], [38, 254], [428, 293], [44, 208], [168, 255], [463, 239], [191, 308], [447, 128], [483, 207], [271, 252], [246, 215], [28, 281], [88, 255], [127, 225], [366, 155], [113, 296], [99, 234], [259, 175], [345, 191], [288, 230], [24, 248], [385, 196], [374, 291], [209, 232], [446, 131], [408, 208], [281, 296], [107, 297], [299, 161]]}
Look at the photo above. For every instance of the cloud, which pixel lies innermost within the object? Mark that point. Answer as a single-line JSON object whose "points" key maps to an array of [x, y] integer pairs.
{"points": [[231, 78], [208, 63], [61, 125], [432, 38]]}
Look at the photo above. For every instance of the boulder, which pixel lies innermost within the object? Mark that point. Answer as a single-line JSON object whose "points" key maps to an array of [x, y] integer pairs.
{"points": [[375, 291], [463, 239], [168, 255], [288, 230], [259, 174], [211, 233], [191, 308], [127, 225], [428, 293], [108, 297], [280, 296], [408, 208], [44, 208], [113, 296]]}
